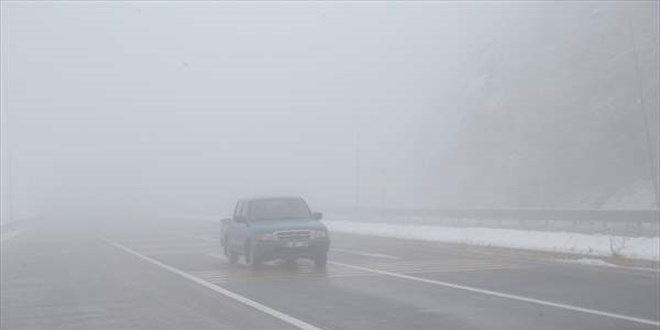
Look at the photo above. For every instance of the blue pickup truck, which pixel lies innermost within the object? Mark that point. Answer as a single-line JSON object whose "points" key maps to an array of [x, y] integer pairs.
{"points": [[264, 229]]}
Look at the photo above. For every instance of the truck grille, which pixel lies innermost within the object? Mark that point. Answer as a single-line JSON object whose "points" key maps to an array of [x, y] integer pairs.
{"points": [[294, 235]]}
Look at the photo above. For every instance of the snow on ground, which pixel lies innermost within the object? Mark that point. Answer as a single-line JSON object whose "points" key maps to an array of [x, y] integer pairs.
{"points": [[603, 263], [646, 248], [590, 262]]}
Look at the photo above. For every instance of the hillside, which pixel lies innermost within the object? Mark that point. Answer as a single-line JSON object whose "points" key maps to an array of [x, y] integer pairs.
{"points": [[553, 115]]}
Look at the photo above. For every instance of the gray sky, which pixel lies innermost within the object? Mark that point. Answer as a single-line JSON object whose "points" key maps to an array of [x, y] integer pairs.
{"points": [[175, 101], [173, 105]]}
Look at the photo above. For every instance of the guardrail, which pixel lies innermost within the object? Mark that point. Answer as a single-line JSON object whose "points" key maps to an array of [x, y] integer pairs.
{"points": [[605, 221], [643, 216]]}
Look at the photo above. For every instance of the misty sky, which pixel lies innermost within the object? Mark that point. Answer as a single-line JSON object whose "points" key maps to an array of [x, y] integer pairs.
{"points": [[188, 106]]}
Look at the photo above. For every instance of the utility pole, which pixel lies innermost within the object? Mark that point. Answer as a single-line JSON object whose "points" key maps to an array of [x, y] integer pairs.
{"points": [[641, 102], [5, 186], [357, 166], [652, 160]]}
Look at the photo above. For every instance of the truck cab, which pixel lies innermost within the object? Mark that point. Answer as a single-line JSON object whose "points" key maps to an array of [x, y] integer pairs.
{"points": [[264, 229]]}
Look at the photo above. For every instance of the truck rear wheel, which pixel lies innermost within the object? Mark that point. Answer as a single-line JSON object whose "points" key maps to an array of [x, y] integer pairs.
{"points": [[321, 261], [290, 261], [225, 248], [233, 256]]}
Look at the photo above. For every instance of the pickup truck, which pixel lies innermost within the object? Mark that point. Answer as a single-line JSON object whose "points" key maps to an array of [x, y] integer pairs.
{"points": [[264, 229]]}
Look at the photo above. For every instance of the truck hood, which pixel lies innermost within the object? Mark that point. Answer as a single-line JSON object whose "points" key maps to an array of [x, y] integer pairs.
{"points": [[291, 224]]}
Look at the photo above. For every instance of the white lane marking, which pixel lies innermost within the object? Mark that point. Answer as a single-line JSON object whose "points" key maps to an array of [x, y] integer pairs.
{"points": [[503, 295], [9, 235], [242, 299], [366, 254], [209, 239], [493, 293]]}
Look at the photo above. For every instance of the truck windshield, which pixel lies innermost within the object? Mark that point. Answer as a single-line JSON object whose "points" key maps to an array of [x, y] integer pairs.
{"points": [[274, 209]]}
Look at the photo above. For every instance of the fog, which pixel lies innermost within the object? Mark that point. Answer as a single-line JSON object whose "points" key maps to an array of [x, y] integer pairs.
{"points": [[172, 107]]}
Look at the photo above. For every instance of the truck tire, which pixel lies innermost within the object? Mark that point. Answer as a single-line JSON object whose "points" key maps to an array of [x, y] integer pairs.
{"points": [[321, 261], [250, 259], [232, 255], [223, 242], [290, 262]]}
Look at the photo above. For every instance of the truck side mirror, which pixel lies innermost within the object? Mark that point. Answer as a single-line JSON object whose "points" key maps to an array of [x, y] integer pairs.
{"points": [[240, 219], [317, 215]]}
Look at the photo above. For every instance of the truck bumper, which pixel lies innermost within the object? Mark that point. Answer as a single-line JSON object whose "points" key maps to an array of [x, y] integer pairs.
{"points": [[270, 250]]}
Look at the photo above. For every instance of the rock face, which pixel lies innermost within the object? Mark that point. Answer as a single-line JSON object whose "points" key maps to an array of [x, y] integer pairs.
{"points": [[554, 114]]}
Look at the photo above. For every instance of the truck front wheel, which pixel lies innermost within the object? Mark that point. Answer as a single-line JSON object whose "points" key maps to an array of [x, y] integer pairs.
{"points": [[250, 259], [225, 248], [232, 255]]}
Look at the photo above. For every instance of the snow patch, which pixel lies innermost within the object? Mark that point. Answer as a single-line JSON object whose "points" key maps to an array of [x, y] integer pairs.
{"points": [[590, 262], [646, 248], [602, 263]]}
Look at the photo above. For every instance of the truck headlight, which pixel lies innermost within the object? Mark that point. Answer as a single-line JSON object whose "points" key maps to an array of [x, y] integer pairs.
{"points": [[320, 233], [264, 237]]}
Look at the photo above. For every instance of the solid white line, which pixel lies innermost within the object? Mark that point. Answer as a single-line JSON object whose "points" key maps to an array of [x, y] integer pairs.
{"points": [[366, 254], [503, 295], [242, 299]]}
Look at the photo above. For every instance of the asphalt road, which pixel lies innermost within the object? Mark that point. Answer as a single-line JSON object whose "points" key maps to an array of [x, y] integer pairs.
{"points": [[172, 275]]}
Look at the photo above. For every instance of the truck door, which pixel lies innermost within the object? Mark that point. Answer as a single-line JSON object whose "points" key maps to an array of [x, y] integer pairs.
{"points": [[239, 230]]}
